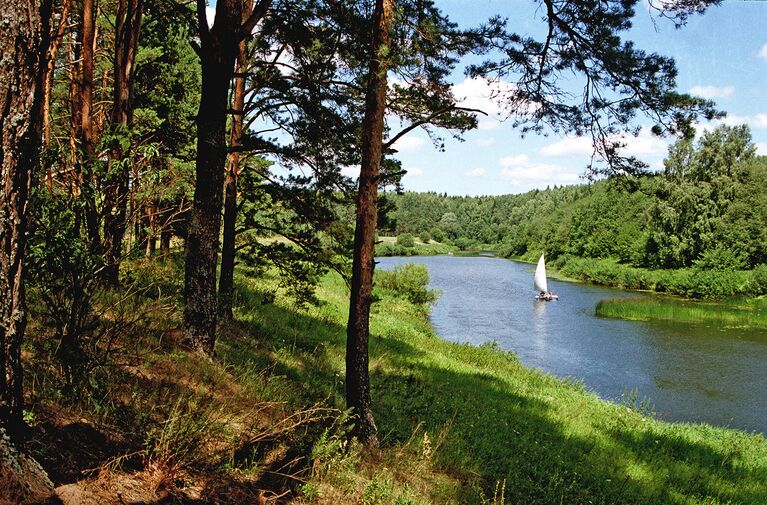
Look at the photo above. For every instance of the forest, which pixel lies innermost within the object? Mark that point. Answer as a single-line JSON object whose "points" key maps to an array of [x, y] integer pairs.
{"points": [[188, 312]]}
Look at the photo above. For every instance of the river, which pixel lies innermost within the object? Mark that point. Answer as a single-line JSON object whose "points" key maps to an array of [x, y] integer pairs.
{"points": [[692, 373]]}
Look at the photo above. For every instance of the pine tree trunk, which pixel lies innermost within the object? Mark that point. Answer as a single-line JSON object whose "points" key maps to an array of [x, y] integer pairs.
{"points": [[358, 328], [218, 52], [24, 46], [87, 141], [127, 30], [228, 250]]}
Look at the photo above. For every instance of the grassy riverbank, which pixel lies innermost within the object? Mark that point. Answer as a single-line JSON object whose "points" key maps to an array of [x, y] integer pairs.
{"points": [[481, 418], [688, 282], [734, 313], [457, 423]]}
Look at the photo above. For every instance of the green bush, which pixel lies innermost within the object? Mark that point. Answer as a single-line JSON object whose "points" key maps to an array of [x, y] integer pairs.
{"points": [[425, 237], [408, 280], [405, 240], [438, 235], [759, 280]]}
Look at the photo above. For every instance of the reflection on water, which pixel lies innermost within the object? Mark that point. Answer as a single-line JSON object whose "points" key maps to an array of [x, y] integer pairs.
{"points": [[689, 372]]}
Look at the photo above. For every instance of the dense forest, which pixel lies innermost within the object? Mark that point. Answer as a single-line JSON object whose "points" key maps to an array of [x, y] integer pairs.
{"points": [[187, 302], [705, 211]]}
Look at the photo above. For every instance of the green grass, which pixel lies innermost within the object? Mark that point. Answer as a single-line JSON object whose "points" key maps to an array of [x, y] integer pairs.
{"points": [[472, 425], [735, 313]]}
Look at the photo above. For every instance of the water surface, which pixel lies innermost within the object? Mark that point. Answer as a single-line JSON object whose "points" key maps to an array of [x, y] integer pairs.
{"points": [[689, 372]]}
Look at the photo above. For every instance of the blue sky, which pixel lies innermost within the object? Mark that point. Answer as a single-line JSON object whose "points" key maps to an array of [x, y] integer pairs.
{"points": [[721, 55]]}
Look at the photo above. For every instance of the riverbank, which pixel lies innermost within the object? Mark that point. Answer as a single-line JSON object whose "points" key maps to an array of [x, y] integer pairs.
{"points": [[457, 423], [388, 246], [477, 415], [688, 282], [734, 313]]}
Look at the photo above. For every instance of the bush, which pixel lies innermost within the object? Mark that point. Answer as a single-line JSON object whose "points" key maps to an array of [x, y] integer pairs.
{"points": [[425, 237], [405, 240], [438, 235], [759, 280], [408, 280]]}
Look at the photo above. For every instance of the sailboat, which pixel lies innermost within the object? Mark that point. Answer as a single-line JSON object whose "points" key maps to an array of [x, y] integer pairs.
{"points": [[539, 281]]}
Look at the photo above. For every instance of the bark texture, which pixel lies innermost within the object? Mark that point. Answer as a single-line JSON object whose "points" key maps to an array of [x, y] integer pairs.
{"points": [[87, 140], [219, 46], [233, 168], [358, 328], [23, 49], [127, 30]]}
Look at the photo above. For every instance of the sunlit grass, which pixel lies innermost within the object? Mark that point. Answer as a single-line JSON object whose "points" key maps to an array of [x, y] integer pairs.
{"points": [[473, 420], [736, 313]]}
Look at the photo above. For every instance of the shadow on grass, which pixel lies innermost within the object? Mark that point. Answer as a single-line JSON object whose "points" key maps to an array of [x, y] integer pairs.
{"points": [[493, 432]]}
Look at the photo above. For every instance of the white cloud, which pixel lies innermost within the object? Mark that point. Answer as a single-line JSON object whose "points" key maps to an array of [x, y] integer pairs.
{"points": [[568, 146], [481, 94], [509, 161], [763, 52], [408, 143], [476, 172], [761, 149], [413, 172], [210, 14], [644, 145], [756, 121], [712, 91], [526, 175], [484, 142]]}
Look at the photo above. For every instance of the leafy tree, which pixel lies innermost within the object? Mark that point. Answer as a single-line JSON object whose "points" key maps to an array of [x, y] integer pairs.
{"points": [[405, 240], [692, 200]]}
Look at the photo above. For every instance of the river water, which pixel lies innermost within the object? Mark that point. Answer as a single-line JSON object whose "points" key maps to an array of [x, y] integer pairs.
{"points": [[688, 372]]}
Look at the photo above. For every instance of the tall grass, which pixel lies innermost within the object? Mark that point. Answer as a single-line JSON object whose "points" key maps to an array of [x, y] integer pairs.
{"points": [[732, 313], [688, 282], [466, 424]]}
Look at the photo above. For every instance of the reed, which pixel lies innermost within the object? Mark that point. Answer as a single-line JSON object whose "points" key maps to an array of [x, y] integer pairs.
{"points": [[734, 313]]}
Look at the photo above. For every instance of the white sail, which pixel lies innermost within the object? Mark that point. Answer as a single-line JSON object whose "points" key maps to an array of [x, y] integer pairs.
{"points": [[540, 276]]}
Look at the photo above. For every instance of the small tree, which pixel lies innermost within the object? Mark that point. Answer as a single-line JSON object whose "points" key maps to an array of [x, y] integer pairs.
{"points": [[405, 240]]}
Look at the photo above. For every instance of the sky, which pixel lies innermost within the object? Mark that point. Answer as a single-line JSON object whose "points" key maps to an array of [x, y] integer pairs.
{"points": [[721, 55]]}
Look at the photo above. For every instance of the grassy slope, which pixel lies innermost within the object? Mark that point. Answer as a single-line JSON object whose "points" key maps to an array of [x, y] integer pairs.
{"points": [[388, 247], [458, 424], [474, 420]]}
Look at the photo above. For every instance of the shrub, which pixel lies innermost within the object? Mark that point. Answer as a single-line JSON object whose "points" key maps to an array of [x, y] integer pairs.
{"points": [[759, 280], [408, 280], [405, 240], [438, 235], [425, 237]]}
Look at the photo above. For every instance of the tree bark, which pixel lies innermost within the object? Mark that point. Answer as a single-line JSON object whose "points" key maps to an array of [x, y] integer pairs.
{"points": [[219, 46], [127, 30], [24, 46], [87, 145], [226, 275], [358, 328]]}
